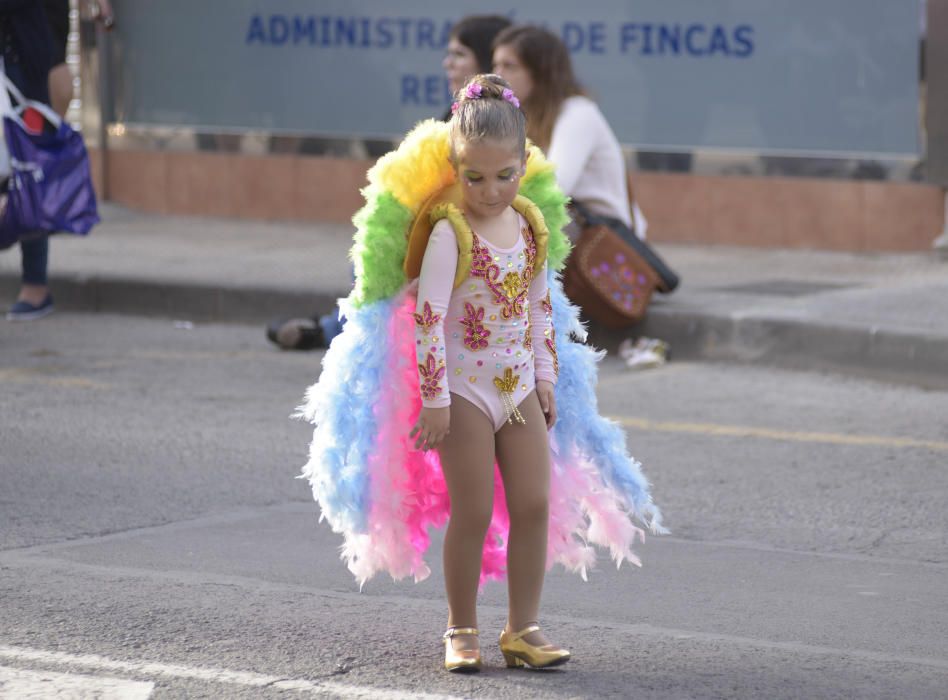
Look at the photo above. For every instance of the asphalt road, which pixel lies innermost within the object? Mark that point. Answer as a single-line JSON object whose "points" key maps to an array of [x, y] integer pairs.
{"points": [[155, 543]]}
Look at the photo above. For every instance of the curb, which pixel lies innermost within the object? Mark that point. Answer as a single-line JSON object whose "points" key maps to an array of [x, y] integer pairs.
{"points": [[865, 351], [178, 300], [919, 359]]}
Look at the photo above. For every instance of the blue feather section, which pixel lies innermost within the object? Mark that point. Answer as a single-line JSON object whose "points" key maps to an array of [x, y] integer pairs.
{"points": [[342, 407], [579, 424]]}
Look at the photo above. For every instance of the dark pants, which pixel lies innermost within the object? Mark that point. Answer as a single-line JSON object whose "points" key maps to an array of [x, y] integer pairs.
{"points": [[35, 257]]}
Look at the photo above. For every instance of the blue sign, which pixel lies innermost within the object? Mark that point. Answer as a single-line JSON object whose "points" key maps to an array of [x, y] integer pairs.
{"points": [[806, 77]]}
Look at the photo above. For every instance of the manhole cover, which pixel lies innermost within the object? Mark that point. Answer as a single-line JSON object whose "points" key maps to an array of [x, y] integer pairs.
{"points": [[784, 288]]}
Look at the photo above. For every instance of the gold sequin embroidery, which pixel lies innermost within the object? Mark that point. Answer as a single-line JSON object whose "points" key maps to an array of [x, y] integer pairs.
{"points": [[507, 385], [551, 346]]}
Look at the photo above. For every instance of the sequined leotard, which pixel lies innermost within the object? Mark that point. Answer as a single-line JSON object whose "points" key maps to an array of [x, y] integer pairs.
{"points": [[491, 338]]}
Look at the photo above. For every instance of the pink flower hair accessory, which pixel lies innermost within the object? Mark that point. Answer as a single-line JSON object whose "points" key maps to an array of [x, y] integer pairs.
{"points": [[473, 91], [509, 95]]}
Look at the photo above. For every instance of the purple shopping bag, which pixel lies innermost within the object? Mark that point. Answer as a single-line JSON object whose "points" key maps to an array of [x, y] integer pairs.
{"points": [[50, 186]]}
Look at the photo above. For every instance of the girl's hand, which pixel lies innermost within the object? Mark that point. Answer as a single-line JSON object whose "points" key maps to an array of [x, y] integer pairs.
{"points": [[547, 402], [431, 428]]}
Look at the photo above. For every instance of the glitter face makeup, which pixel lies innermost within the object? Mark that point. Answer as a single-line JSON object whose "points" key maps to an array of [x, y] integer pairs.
{"points": [[490, 171]]}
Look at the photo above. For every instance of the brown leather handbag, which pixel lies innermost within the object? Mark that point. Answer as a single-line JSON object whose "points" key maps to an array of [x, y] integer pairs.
{"points": [[609, 278]]}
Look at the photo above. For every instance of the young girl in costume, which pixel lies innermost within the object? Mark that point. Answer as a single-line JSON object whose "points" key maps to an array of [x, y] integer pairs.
{"points": [[464, 393]]}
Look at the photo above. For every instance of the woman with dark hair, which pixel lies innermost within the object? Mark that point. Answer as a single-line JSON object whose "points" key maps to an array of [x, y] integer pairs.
{"points": [[564, 122], [470, 48]]}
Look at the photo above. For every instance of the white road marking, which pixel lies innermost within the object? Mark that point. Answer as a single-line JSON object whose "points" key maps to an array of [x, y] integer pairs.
{"points": [[211, 675], [19, 684]]}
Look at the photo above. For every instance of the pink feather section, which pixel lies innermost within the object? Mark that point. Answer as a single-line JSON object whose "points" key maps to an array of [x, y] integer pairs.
{"points": [[584, 512]]}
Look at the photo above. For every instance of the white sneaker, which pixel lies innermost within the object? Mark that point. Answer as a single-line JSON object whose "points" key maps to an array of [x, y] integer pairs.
{"points": [[645, 353]]}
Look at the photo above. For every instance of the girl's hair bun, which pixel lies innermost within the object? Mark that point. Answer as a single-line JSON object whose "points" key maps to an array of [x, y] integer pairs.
{"points": [[487, 108], [483, 86]]}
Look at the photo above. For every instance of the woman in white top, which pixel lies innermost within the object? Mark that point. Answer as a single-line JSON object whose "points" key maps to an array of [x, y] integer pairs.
{"points": [[564, 122]]}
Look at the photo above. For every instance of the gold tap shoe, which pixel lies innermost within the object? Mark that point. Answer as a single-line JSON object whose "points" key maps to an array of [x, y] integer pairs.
{"points": [[463, 660], [518, 652]]}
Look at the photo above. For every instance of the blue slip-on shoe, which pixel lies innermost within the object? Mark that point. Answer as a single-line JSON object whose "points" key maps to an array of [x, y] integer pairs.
{"points": [[25, 311]]}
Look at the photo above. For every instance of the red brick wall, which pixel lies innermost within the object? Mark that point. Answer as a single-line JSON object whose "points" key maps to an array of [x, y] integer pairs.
{"points": [[728, 210]]}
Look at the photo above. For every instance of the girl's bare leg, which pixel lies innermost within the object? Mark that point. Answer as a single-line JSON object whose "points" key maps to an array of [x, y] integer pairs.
{"points": [[524, 459], [467, 459]]}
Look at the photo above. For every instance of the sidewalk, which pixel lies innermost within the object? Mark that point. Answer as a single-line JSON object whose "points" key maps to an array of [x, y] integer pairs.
{"points": [[881, 315]]}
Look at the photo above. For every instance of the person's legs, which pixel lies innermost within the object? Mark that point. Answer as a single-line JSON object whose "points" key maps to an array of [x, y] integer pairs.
{"points": [[59, 81], [60, 88], [467, 459], [296, 333], [524, 459], [306, 333], [331, 325], [35, 259]]}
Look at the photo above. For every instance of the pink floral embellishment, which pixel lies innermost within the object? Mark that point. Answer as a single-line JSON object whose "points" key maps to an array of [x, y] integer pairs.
{"points": [[426, 319], [431, 378], [547, 304], [476, 336], [482, 264], [509, 95], [473, 91]]}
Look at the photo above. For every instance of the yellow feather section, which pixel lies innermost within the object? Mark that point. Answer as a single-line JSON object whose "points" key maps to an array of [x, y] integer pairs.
{"points": [[418, 167], [536, 162]]}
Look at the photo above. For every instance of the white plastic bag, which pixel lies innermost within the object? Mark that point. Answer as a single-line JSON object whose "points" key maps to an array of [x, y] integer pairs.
{"points": [[6, 107]]}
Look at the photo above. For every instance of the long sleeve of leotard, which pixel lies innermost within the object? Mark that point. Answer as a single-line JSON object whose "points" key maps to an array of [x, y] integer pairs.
{"points": [[542, 336], [435, 285]]}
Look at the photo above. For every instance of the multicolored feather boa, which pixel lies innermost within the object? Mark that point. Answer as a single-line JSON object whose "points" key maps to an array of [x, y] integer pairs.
{"points": [[372, 486]]}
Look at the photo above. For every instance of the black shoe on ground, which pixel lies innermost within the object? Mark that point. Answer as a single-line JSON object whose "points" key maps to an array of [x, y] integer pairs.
{"points": [[296, 334]]}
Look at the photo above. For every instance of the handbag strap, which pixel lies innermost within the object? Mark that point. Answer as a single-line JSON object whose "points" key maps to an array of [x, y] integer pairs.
{"points": [[669, 280], [590, 218], [24, 103]]}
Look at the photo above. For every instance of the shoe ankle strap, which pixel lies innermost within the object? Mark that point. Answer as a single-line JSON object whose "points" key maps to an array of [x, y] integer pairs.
{"points": [[525, 631], [453, 631]]}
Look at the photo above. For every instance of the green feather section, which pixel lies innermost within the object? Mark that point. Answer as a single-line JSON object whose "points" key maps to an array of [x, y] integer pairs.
{"points": [[379, 247], [543, 191]]}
